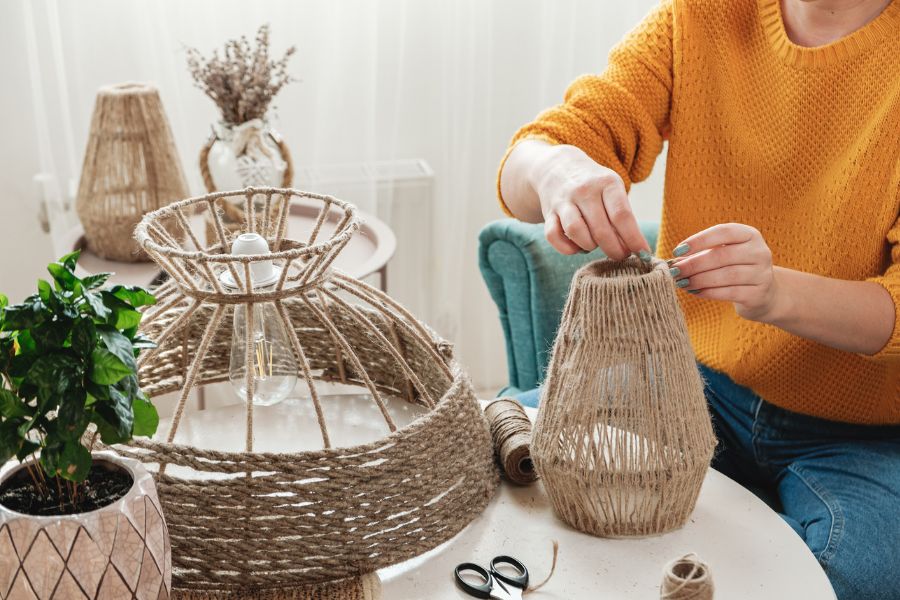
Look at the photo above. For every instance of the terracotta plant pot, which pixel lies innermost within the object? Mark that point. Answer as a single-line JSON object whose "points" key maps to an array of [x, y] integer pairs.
{"points": [[118, 552]]}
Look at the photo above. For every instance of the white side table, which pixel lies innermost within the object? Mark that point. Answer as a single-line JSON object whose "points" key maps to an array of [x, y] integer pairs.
{"points": [[367, 253]]}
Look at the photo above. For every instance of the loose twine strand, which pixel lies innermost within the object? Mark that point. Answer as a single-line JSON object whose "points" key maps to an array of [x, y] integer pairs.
{"points": [[534, 588], [686, 578], [511, 434]]}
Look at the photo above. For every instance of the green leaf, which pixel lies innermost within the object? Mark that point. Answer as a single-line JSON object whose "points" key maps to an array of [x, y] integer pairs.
{"points": [[95, 301], [146, 419], [74, 462], [94, 281], [124, 316], [70, 260], [106, 368], [50, 458], [108, 434], [51, 335], [11, 406], [142, 342], [52, 375], [70, 418], [25, 315], [26, 449], [119, 345], [117, 412], [84, 336], [134, 295], [45, 290], [65, 278], [4, 301], [10, 440]]}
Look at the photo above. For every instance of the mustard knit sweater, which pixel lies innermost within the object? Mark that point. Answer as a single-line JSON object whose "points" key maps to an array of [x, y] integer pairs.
{"points": [[801, 143]]}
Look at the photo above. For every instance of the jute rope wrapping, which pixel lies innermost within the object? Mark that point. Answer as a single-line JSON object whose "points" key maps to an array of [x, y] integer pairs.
{"points": [[623, 437], [131, 167], [686, 578], [511, 433], [246, 524]]}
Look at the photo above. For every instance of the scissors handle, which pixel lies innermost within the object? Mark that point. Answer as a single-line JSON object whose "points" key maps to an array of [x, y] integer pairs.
{"points": [[520, 580], [478, 590]]}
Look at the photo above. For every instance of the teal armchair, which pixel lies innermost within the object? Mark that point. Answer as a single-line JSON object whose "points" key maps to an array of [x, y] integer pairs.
{"points": [[529, 282]]}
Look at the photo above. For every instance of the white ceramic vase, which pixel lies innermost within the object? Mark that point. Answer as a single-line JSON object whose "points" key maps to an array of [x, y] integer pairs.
{"points": [[245, 155], [119, 551]]}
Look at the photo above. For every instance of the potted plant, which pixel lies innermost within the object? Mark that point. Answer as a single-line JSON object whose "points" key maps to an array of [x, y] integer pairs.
{"points": [[243, 149], [76, 523]]}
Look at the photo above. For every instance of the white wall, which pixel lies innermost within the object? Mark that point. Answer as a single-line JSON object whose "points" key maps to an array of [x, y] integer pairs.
{"points": [[445, 80]]}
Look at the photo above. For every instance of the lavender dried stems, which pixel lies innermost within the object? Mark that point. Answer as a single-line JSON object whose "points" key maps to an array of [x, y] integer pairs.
{"points": [[245, 80]]}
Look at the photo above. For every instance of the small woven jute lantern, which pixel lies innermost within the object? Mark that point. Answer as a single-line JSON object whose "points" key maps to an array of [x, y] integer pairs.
{"points": [[131, 167], [623, 437], [313, 524]]}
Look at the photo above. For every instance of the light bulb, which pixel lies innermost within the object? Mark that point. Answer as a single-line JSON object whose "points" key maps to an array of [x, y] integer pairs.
{"points": [[271, 363]]}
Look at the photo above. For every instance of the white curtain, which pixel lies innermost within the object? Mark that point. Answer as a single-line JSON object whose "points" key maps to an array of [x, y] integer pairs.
{"points": [[444, 80]]}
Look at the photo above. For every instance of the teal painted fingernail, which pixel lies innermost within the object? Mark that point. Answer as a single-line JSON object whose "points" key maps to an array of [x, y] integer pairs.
{"points": [[674, 271], [683, 282], [681, 250], [693, 291], [644, 256]]}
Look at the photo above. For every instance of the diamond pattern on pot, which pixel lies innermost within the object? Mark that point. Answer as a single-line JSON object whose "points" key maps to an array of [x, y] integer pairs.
{"points": [[127, 552], [151, 578], [9, 561], [86, 562], [23, 532], [156, 538], [43, 565], [135, 514], [68, 589], [21, 589], [62, 533], [112, 587]]}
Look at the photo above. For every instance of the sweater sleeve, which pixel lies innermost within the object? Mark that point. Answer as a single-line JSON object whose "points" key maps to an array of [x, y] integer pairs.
{"points": [[890, 280], [620, 117]]}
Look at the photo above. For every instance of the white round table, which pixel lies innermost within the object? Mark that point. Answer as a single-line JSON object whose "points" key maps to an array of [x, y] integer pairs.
{"points": [[751, 551], [368, 251]]}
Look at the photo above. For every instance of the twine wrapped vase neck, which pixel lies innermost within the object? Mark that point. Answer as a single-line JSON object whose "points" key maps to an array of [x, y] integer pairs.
{"points": [[623, 437]]}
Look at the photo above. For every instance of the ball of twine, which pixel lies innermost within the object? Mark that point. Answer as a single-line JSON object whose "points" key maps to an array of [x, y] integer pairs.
{"points": [[686, 578], [511, 434]]}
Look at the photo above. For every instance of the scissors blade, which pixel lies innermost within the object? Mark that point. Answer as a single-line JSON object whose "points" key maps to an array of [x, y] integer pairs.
{"points": [[505, 591]]}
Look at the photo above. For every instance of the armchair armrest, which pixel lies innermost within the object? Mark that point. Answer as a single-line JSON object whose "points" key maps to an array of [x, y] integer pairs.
{"points": [[529, 281]]}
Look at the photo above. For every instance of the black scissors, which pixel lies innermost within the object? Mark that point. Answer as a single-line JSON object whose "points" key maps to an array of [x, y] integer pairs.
{"points": [[497, 584]]}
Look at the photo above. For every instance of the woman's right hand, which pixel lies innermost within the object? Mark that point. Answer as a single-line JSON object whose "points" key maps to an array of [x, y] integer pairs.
{"points": [[584, 204]]}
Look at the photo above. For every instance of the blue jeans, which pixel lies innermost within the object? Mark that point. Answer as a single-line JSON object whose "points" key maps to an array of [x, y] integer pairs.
{"points": [[836, 484]]}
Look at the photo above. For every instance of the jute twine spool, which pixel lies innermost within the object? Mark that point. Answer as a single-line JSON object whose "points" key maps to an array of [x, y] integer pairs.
{"points": [[623, 437], [300, 525], [686, 578], [511, 433], [131, 167]]}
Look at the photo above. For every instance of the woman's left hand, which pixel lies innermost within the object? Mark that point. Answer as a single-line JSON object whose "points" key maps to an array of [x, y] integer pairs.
{"points": [[729, 262]]}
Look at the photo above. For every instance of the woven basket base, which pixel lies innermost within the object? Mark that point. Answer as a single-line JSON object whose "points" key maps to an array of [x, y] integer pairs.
{"points": [[365, 587]]}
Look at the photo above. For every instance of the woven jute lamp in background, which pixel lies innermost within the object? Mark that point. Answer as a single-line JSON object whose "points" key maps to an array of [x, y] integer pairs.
{"points": [[623, 437], [131, 167], [313, 524]]}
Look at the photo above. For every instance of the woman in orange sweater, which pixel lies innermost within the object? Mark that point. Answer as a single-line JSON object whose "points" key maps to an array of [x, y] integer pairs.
{"points": [[781, 217]]}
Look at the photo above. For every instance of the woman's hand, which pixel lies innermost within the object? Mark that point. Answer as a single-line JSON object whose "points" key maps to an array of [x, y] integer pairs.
{"points": [[729, 262], [584, 204]]}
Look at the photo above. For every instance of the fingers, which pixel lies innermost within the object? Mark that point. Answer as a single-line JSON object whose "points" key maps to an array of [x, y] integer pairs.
{"points": [[575, 227], [707, 260], [717, 235], [733, 275], [618, 211], [602, 231], [554, 232]]}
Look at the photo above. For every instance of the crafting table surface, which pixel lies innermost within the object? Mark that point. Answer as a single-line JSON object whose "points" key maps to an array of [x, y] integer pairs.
{"points": [[751, 552]]}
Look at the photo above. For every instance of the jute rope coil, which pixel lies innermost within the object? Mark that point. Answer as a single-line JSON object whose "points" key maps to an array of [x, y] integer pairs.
{"points": [[131, 167], [623, 437], [243, 524], [511, 433], [686, 578]]}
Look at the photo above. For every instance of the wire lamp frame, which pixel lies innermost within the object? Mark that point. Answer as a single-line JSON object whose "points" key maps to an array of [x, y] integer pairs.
{"points": [[252, 522]]}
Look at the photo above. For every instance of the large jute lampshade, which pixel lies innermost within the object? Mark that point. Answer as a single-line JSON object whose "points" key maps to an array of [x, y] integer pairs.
{"points": [[131, 167]]}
